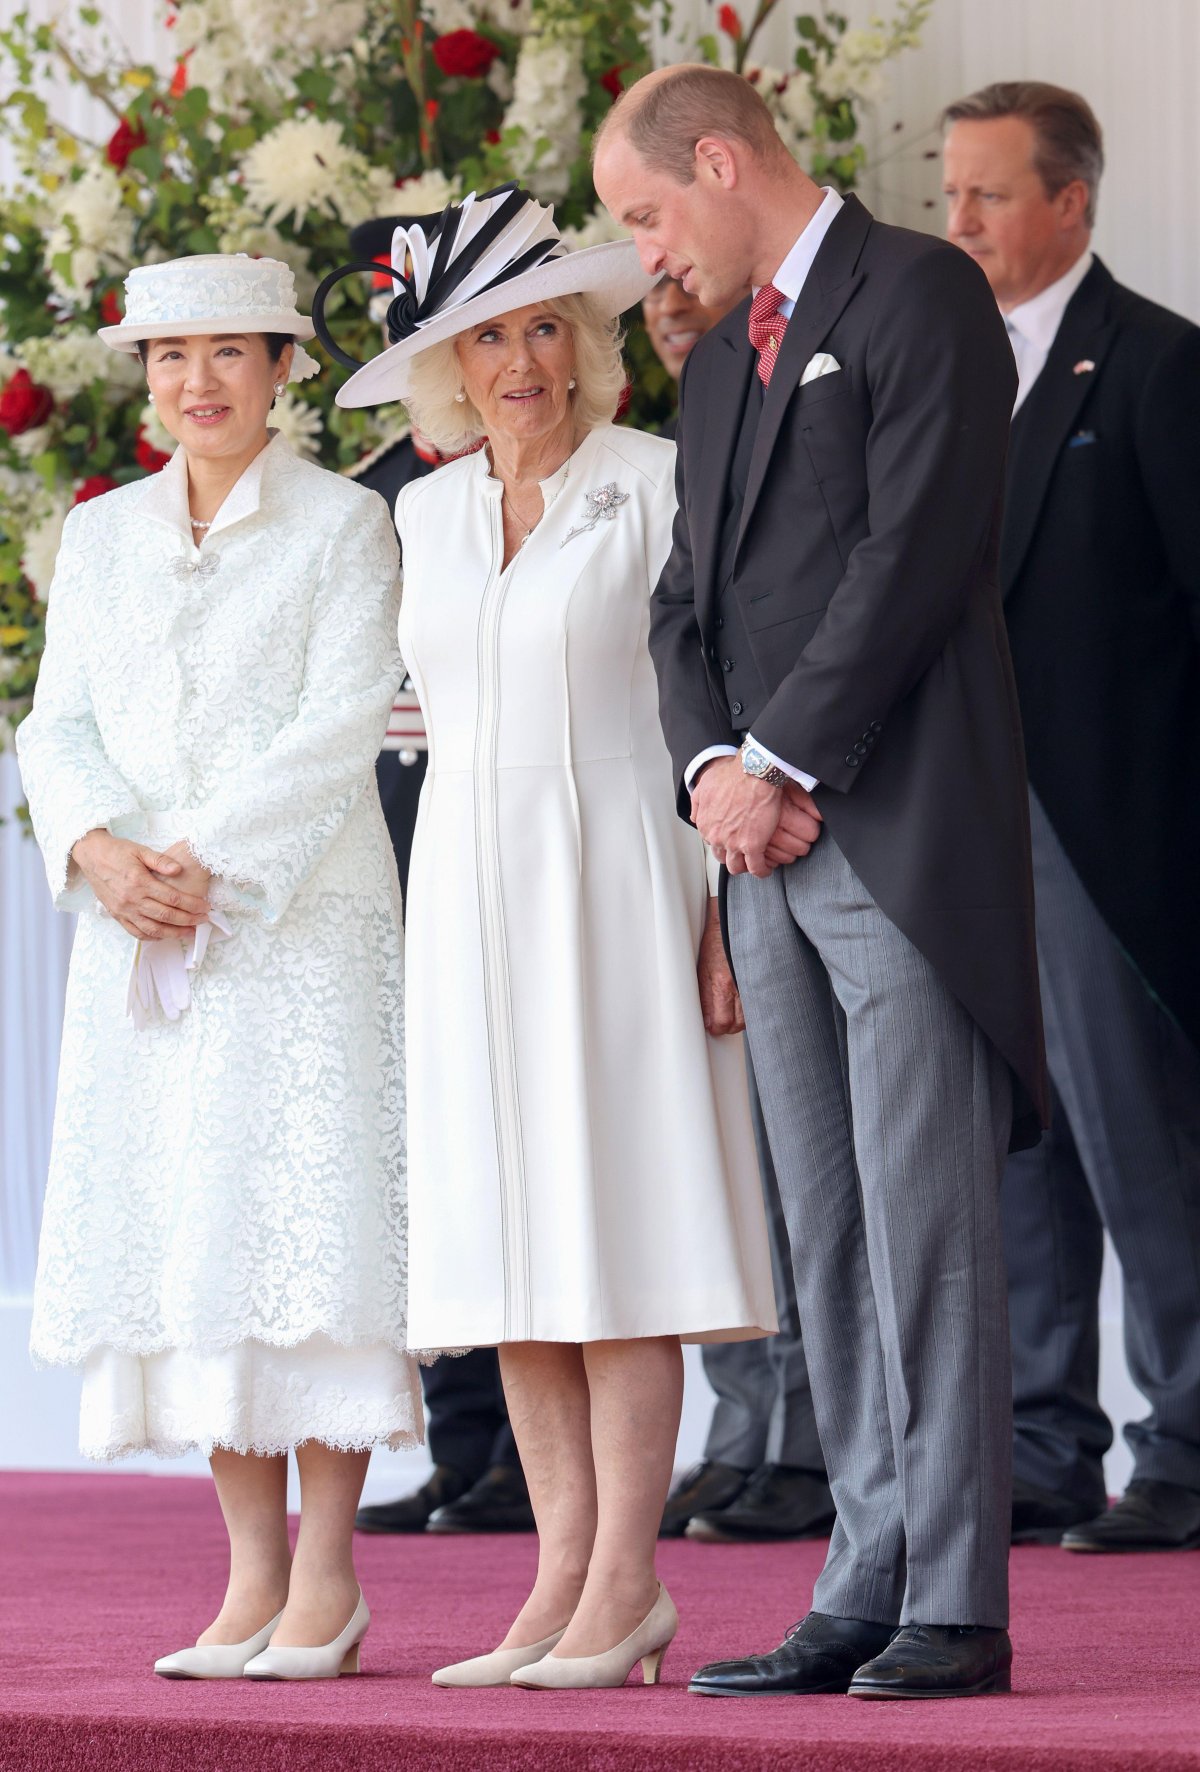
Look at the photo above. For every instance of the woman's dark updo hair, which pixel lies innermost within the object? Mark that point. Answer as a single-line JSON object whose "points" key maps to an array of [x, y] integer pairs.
{"points": [[275, 343]]}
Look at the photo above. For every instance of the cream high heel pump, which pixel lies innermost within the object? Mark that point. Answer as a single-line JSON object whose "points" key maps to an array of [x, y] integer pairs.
{"points": [[494, 1669], [325, 1663], [647, 1644], [215, 1661]]}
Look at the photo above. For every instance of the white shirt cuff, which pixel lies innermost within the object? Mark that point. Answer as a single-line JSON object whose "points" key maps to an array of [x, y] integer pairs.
{"points": [[808, 782], [702, 757]]}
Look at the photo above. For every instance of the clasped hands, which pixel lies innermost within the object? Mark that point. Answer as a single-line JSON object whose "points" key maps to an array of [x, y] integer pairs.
{"points": [[751, 826], [150, 895]]}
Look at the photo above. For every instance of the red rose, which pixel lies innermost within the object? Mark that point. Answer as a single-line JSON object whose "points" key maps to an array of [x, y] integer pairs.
{"points": [[624, 402], [729, 22], [491, 137], [465, 53], [110, 308], [93, 487], [611, 81], [125, 138], [179, 80], [24, 404], [147, 457]]}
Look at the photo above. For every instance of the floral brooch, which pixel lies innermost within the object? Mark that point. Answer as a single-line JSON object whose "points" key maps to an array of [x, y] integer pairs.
{"points": [[204, 567], [603, 504]]}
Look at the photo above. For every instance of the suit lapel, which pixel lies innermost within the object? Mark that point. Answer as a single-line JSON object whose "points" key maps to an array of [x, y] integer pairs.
{"points": [[722, 408], [828, 288], [1042, 425]]}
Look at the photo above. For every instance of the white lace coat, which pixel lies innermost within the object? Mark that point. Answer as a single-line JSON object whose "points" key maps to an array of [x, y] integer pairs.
{"points": [[237, 1175]]}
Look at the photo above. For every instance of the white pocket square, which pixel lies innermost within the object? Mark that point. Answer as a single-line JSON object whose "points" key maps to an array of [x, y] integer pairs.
{"points": [[821, 364]]}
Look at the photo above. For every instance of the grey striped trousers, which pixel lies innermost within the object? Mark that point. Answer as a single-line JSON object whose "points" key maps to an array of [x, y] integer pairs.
{"points": [[888, 1113]]}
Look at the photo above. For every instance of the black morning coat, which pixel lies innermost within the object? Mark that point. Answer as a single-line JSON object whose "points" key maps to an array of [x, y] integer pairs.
{"points": [[1100, 565], [867, 575]]}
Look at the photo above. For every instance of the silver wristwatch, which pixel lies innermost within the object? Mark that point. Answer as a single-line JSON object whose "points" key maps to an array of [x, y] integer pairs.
{"points": [[756, 762]]}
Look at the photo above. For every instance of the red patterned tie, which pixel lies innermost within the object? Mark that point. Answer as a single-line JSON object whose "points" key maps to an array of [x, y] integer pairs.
{"points": [[767, 327]]}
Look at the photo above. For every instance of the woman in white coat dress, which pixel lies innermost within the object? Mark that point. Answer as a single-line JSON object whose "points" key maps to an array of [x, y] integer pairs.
{"points": [[223, 1249], [584, 1189]]}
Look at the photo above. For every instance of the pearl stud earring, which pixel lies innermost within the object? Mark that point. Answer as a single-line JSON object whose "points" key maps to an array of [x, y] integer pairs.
{"points": [[571, 383], [150, 398], [280, 388], [460, 396]]}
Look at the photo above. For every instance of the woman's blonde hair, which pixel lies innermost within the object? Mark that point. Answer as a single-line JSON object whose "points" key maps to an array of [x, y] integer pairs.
{"points": [[451, 424]]}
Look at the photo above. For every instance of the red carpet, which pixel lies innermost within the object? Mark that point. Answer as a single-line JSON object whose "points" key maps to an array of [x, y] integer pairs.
{"points": [[102, 1573]]}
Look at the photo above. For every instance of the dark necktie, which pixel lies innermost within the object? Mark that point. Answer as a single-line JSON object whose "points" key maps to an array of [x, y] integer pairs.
{"points": [[767, 327]]}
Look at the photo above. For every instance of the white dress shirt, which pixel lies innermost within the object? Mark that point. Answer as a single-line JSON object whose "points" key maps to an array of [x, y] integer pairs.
{"points": [[1033, 324], [789, 280]]}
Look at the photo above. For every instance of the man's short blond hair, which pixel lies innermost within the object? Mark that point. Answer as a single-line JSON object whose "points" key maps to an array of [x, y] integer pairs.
{"points": [[664, 120]]}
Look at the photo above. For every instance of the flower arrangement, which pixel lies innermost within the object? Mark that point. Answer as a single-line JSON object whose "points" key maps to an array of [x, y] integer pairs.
{"points": [[280, 126]]}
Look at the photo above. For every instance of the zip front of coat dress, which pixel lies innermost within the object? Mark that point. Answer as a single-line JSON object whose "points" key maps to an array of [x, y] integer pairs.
{"points": [[506, 1101]]}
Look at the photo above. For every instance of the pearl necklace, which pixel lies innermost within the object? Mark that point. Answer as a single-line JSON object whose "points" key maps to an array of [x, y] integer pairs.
{"points": [[196, 524]]}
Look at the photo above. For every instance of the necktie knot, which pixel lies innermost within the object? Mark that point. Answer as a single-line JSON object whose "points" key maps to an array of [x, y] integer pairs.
{"points": [[767, 327]]}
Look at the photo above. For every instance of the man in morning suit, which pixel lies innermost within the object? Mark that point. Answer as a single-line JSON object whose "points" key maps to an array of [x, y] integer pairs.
{"points": [[1100, 567], [762, 1476], [838, 700]]}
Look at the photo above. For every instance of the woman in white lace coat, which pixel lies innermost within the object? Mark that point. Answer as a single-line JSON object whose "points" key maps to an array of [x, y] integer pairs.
{"points": [[224, 1243]]}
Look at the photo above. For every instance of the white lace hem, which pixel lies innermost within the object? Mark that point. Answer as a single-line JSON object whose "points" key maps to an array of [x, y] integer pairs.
{"points": [[249, 1398]]}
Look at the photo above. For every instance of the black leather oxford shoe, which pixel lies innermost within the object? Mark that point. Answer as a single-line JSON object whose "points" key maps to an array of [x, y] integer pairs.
{"points": [[410, 1512], [1150, 1516], [1038, 1517], [705, 1488], [820, 1654], [498, 1502], [778, 1502], [938, 1661]]}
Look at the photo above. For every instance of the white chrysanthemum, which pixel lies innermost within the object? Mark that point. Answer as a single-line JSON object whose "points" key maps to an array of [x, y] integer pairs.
{"points": [[789, 98], [27, 444], [70, 361], [299, 424], [92, 224], [514, 16], [39, 547], [854, 69], [303, 167], [598, 230], [301, 29], [548, 93], [426, 194], [156, 432]]}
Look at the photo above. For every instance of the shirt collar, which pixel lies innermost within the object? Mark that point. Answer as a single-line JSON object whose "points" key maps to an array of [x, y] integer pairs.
{"points": [[1038, 319], [164, 495], [790, 278]]}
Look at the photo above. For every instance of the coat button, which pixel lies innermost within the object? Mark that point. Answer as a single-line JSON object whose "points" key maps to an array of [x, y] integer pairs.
{"points": [[875, 726], [726, 664], [861, 748], [852, 760], [737, 707]]}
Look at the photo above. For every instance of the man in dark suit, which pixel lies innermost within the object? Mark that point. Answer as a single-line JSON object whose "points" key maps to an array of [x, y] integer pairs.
{"points": [[762, 1476], [1100, 567], [477, 1484], [838, 700]]}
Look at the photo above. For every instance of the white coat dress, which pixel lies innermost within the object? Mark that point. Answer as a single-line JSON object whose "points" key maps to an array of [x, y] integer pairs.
{"points": [[223, 1249], [581, 1161]]}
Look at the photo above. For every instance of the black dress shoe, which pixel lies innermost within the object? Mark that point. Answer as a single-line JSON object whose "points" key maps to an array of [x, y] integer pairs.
{"points": [[498, 1502], [778, 1502], [411, 1512], [938, 1661], [1150, 1516], [820, 1654], [1039, 1517], [706, 1487]]}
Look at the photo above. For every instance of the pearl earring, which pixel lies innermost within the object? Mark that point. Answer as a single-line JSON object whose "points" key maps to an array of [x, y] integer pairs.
{"points": [[571, 383], [150, 398], [280, 388], [460, 396]]}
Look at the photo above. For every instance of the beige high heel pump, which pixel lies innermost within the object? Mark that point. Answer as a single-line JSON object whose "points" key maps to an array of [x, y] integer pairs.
{"points": [[494, 1669], [647, 1644]]}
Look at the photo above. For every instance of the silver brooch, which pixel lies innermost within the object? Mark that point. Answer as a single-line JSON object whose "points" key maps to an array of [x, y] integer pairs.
{"points": [[204, 567], [603, 503]]}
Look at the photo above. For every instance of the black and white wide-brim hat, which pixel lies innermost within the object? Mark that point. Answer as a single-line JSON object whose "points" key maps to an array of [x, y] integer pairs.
{"points": [[482, 257]]}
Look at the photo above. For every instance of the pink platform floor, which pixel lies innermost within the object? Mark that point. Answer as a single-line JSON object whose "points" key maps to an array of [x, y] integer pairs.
{"points": [[99, 1574]]}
